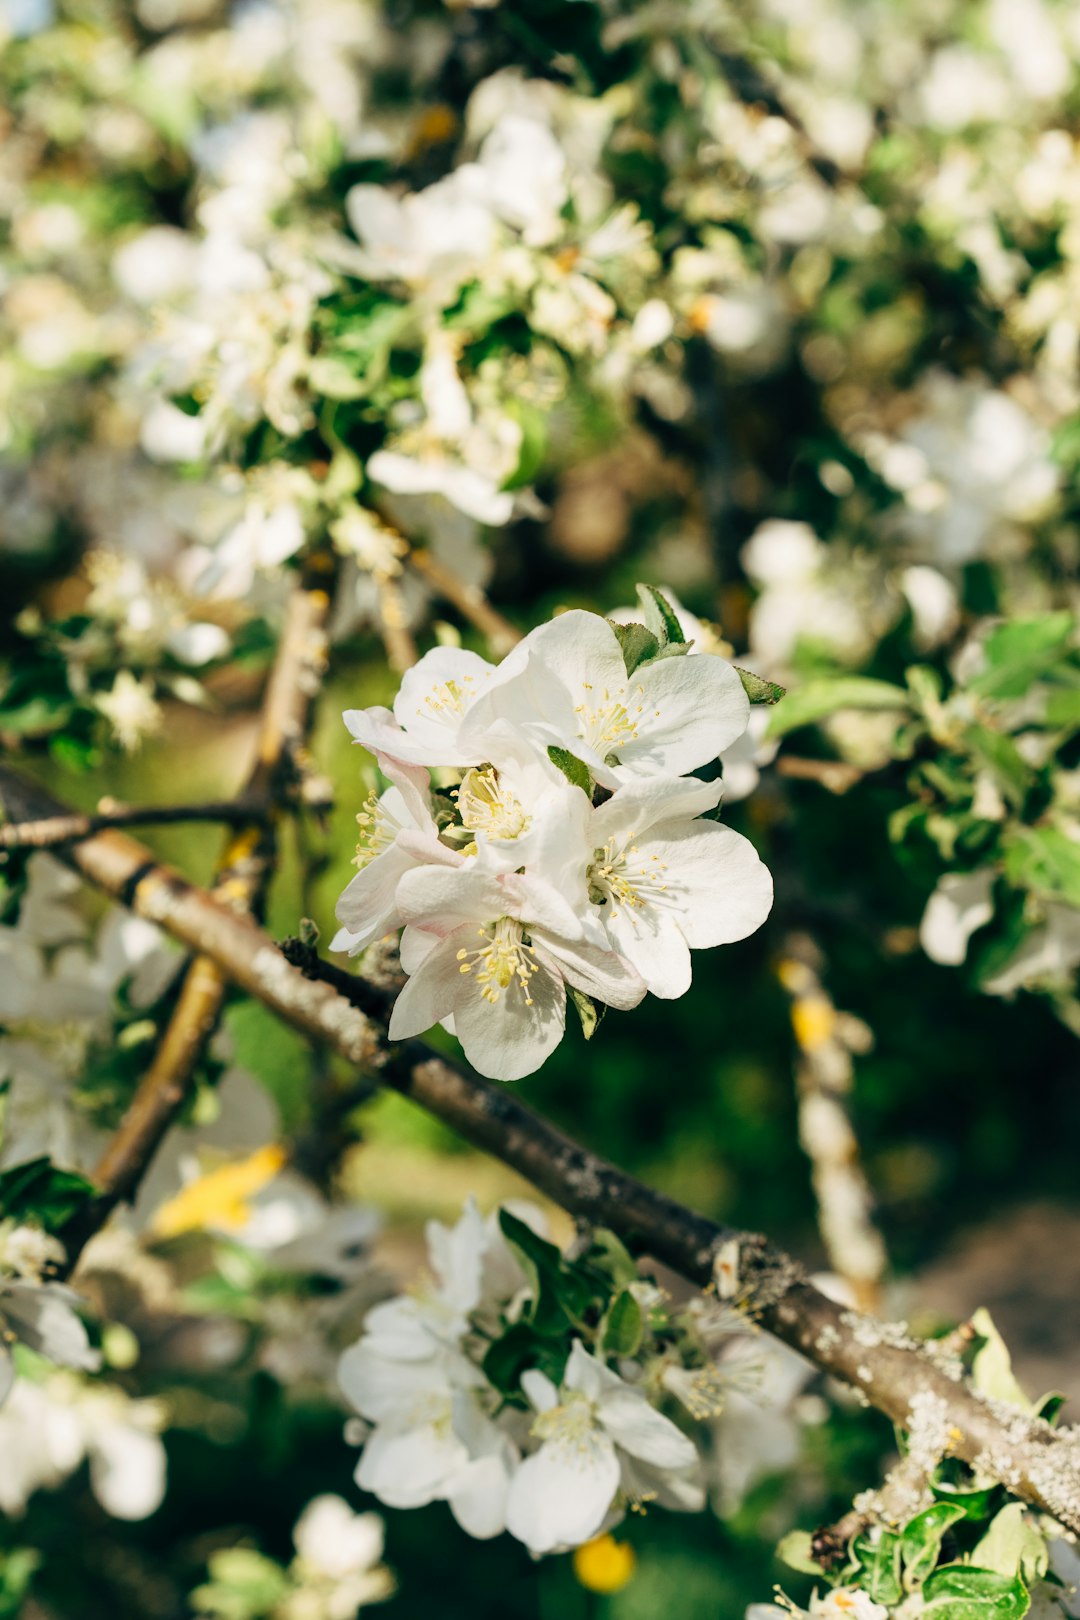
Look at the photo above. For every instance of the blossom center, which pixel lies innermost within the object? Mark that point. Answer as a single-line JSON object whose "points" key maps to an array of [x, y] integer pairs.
{"points": [[486, 805], [503, 962], [623, 877], [447, 698], [607, 723], [570, 1424]]}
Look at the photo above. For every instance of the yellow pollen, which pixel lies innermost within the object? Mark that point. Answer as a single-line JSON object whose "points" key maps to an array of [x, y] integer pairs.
{"points": [[504, 962], [447, 695], [621, 877], [487, 805], [378, 830], [612, 722]]}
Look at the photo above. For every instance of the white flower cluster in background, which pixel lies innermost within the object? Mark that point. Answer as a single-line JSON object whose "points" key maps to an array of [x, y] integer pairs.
{"points": [[48, 1429], [531, 1392], [569, 852]]}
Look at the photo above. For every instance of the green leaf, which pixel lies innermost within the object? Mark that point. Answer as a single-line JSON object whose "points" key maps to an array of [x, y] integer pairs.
{"points": [[560, 1294], [976, 1503], [757, 688], [1046, 860], [960, 1592], [518, 1349], [880, 1563], [825, 696], [612, 1255], [623, 1326], [1063, 707], [574, 769], [660, 616], [1000, 756], [638, 644], [243, 1585], [920, 1541], [38, 1191], [587, 1010], [533, 423], [1022, 651], [17, 1568], [1012, 1546], [795, 1550]]}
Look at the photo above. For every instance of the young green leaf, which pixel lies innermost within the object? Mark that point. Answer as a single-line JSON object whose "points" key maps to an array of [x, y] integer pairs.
{"points": [[880, 1563], [660, 616], [638, 644], [572, 768], [623, 1326], [796, 1551], [960, 1592], [757, 688], [920, 1541], [1012, 1545], [587, 1010], [38, 1191]]}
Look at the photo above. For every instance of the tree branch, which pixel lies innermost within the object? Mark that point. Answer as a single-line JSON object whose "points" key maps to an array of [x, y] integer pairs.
{"points": [[470, 601], [919, 1387], [53, 830]]}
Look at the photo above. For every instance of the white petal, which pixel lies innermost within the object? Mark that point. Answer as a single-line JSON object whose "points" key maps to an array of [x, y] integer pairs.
{"points": [[644, 1432], [454, 895], [478, 1497], [435, 696], [599, 973], [367, 905], [42, 1318], [430, 993], [539, 1390], [694, 709], [638, 805], [961, 903], [559, 1497], [727, 890], [411, 1469], [511, 1037], [651, 941]]}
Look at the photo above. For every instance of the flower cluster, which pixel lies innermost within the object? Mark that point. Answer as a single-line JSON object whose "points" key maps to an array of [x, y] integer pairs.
{"points": [[572, 854], [525, 1389]]}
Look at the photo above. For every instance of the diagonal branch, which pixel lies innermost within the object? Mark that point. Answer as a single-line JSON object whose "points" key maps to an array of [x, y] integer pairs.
{"points": [[918, 1387]]}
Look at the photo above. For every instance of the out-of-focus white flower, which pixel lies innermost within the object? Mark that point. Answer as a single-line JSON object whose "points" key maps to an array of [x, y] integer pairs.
{"points": [[157, 264], [47, 1429], [477, 496], [1048, 957], [338, 1563], [803, 596], [934, 604], [961, 903], [130, 708]]}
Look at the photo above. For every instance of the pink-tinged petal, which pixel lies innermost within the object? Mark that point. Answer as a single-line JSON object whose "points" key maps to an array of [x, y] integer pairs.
{"points": [[693, 708], [638, 805], [376, 730], [560, 1496], [600, 973], [414, 785], [651, 940], [727, 890], [430, 993], [512, 1036]]}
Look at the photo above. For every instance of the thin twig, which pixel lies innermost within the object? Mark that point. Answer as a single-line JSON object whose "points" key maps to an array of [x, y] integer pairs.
{"points": [[470, 601], [401, 653], [242, 874], [55, 830], [907, 1380], [824, 1075]]}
